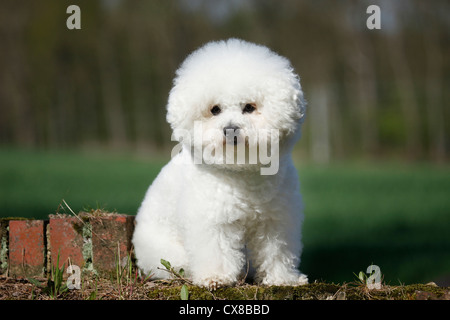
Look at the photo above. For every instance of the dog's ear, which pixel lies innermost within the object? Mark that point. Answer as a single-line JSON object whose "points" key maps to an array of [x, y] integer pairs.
{"points": [[288, 107], [172, 116], [299, 100], [177, 110]]}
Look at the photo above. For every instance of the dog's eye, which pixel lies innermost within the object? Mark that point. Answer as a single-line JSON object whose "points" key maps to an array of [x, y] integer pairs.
{"points": [[215, 110], [249, 108]]}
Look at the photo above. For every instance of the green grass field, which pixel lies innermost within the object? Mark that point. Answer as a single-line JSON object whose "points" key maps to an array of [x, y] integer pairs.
{"points": [[394, 216]]}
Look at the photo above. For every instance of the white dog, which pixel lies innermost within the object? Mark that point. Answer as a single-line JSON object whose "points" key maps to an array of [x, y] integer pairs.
{"points": [[208, 213]]}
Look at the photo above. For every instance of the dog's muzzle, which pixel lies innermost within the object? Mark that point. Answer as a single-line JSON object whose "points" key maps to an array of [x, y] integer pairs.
{"points": [[231, 134]]}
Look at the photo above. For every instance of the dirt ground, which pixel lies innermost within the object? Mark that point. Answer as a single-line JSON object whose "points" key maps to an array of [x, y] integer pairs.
{"points": [[93, 288]]}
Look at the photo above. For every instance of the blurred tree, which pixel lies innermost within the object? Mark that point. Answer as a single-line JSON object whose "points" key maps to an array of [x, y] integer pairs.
{"points": [[371, 93]]}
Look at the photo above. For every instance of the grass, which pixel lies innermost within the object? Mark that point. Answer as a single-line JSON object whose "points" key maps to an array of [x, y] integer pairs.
{"points": [[56, 286], [396, 217], [128, 284], [392, 215], [94, 288], [33, 184]]}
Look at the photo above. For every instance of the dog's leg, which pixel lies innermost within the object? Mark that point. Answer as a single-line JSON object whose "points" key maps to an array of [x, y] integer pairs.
{"points": [[216, 253], [155, 241], [276, 256]]}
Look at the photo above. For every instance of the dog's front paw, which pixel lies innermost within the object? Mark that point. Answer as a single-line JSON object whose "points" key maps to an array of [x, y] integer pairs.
{"points": [[213, 283], [302, 280], [285, 280]]}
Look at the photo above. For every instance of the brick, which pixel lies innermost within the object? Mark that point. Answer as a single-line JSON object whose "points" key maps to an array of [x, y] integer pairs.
{"points": [[3, 245], [65, 237], [26, 248], [111, 237]]}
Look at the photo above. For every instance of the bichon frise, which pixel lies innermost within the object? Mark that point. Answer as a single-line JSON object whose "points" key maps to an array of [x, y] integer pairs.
{"points": [[230, 194]]}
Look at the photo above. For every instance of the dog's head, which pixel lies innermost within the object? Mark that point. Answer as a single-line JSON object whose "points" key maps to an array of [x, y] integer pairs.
{"points": [[235, 92]]}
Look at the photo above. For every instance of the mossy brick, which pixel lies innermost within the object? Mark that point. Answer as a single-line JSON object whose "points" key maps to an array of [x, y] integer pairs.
{"points": [[3, 245], [111, 240], [26, 248], [66, 240]]}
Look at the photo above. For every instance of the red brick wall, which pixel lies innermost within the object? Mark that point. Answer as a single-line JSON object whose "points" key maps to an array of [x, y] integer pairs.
{"points": [[30, 247]]}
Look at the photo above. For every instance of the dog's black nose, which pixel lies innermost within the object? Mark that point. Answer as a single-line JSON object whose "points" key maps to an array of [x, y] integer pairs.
{"points": [[231, 134], [230, 131]]}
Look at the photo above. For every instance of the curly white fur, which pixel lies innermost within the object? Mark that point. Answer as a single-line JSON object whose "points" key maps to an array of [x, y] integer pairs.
{"points": [[210, 218]]}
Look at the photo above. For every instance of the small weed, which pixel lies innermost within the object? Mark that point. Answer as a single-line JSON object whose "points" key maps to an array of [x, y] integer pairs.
{"points": [[184, 293], [361, 278], [55, 284], [124, 276], [179, 275], [372, 279], [127, 276], [93, 295]]}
